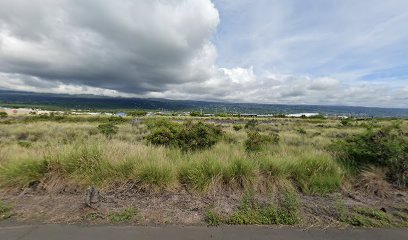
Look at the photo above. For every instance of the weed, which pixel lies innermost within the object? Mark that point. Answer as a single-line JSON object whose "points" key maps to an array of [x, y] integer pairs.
{"points": [[5, 210], [213, 218], [251, 212], [123, 216]]}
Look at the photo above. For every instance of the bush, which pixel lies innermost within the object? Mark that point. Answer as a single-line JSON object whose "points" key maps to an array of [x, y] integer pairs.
{"points": [[386, 147], [198, 136], [108, 129], [256, 141], [237, 127], [3, 114], [346, 122], [251, 124], [189, 137]]}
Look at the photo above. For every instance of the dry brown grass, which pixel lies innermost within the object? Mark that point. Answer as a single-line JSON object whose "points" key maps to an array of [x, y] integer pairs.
{"points": [[372, 181]]}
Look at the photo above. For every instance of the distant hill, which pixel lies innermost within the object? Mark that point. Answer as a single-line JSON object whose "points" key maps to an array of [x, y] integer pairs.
{"points": [[92, 102]]}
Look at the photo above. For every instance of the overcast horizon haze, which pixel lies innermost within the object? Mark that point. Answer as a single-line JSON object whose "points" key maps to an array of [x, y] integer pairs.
{"points": [[320, 52]]}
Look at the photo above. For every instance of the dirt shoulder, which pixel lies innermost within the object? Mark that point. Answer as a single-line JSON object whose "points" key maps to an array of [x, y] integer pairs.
{"points": [[141, 207]]}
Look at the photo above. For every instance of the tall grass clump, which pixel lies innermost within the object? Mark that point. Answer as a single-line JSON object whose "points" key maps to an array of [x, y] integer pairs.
{"points": [[317, 173], [85, 163], [200, 175], [312, 171], [22, 172], [155, 175], [240, 172]]}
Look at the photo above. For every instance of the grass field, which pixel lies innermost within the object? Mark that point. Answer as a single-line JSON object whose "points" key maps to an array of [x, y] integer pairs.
{"points": [[76, 152]]}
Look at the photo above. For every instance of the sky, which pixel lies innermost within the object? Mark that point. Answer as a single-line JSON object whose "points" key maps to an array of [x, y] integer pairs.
{"points": [[327, 52]]}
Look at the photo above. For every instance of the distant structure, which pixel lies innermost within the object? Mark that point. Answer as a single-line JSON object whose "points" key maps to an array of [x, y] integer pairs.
{"points": [[303, 115], [121, 114]]}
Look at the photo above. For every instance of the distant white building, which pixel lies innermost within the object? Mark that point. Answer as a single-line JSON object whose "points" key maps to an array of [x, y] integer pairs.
{"points": [[302, 115]]}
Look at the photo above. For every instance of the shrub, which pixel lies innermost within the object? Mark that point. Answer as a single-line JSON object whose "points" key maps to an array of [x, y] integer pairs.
{"points": [[386, 147], [346, 122], [198, 136], [163, 135], [256, 141], [3, 114], [108, 129], [251, 124], [237, 127], [189, 137]]}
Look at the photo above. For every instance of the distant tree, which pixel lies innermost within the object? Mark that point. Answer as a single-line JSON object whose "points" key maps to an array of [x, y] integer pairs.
{"points": [[196, 114], [137, 113]]}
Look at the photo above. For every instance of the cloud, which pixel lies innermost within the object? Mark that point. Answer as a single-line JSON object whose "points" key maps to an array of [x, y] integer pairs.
{"points": [[268, 51], [127, 46]]}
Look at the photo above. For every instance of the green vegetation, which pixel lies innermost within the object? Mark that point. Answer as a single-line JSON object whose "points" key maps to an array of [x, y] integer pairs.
{"points": [[237, 127], [189, 136], [213, 218], [285, 212], [108, 129], [384, 147], [5, 210], [137, 113], [124, 216], [172, 153], [196, 114], [256, 140], [3, 115], [367, 217]]}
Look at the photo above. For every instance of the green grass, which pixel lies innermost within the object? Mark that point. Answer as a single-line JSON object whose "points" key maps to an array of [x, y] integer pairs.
{"points": [[213, 218], [78, 153], [200, 175], [124, 216], [155, 175], [367, 217], [251, 212], [5, 210], [22, 172]]}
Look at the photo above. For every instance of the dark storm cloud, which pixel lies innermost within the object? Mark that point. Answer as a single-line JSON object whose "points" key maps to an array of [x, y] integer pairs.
{"points": [[128, 46]]}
